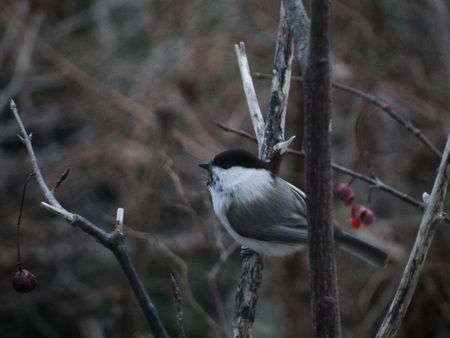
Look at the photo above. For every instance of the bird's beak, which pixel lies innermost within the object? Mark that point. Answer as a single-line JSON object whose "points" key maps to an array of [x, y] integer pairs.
{"points": [[206, 166]]}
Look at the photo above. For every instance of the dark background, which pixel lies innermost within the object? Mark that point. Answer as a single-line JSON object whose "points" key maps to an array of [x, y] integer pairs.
{"points": [[127, 95]]}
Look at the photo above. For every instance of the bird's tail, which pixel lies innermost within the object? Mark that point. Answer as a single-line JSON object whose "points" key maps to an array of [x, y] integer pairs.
{"points": [[360, 249]]}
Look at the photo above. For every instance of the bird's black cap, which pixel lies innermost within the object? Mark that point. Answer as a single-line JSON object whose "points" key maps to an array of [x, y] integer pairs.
{"points": [[236, 158]]}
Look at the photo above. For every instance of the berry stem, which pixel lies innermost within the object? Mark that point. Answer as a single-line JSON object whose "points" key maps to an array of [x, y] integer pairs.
{"points": [[19, 219]]}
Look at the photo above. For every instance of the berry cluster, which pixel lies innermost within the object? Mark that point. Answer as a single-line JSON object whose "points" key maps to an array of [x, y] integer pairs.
{"points": [[360, 214]]}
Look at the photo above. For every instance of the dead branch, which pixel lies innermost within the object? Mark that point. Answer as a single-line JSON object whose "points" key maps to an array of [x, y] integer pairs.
{"points": [[432, 217], [114, 241]]}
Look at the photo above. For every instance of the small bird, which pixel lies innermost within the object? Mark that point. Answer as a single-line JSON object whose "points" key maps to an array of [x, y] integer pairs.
{"points": [[264, 212]]}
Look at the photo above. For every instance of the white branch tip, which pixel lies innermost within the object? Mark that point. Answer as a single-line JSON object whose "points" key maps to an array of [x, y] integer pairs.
{"points": [[119, 219], [59, 211], [283, 146]]}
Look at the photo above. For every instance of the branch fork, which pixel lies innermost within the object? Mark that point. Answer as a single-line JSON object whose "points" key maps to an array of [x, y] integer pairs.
{"points": [[114, 241]]}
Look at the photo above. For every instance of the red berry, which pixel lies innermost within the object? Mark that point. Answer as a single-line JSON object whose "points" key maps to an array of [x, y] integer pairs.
{"points": [[363, 214], [24, 281], [344, 193], [357, 211], [355, 223], [368, 217]]}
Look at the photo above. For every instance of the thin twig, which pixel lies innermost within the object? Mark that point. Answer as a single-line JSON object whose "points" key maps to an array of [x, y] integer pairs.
{"points": [[380, 104], [26, 139], [432, 217], [177, 297], [61, 179], [236, 131], [377, 183], [22, 202], [250, 95], [388, 109], [114, 241], [211, 277], [374, 182], [182, 269]]}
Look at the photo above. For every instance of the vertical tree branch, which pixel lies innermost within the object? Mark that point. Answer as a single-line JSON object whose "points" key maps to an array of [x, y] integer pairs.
{"points": [[317, 95], [250, 94], [247, 292], [268, 137], [313, 57], [281, 81], [433, 215], [300, 27]]}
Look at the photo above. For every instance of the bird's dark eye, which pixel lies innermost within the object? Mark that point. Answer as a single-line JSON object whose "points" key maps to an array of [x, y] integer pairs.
{"points": [[226, 166]]}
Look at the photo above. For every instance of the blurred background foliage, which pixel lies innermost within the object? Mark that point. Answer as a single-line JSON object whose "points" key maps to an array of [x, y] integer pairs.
{"points": [[127, 93]]}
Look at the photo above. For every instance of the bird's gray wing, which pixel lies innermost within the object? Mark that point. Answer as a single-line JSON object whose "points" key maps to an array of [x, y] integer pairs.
{"points": [[279, 218]]}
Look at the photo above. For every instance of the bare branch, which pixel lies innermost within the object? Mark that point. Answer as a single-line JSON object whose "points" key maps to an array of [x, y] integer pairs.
{"points": [[26, 139], [281, 82], [312, 43], [267, 138], [250, 94], [114, 241], [388, 109], [211, 277], [236, 131], [183, 273], [61, 212], [247, 294], [432, 217], [274, 136], [300, 26], [374, 182], [383, 105]]}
